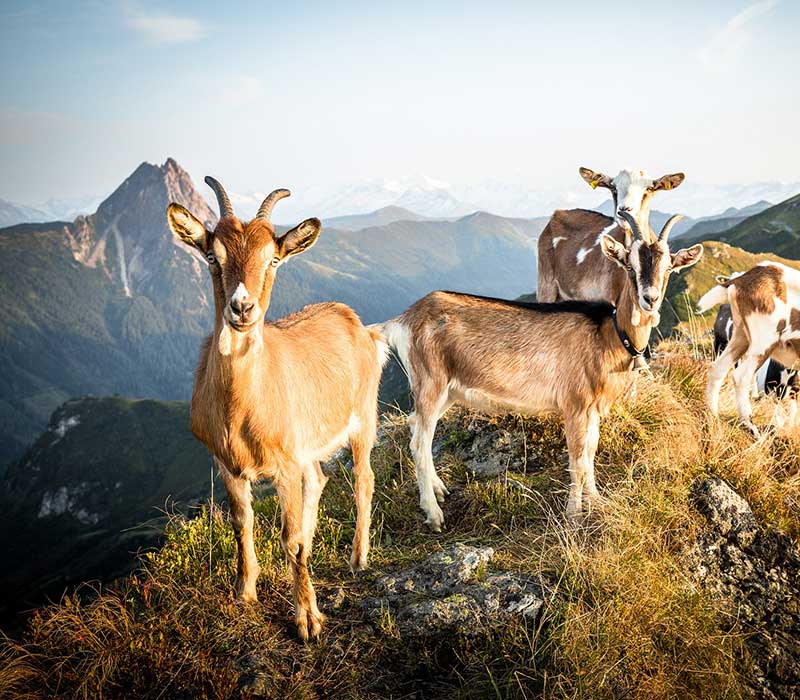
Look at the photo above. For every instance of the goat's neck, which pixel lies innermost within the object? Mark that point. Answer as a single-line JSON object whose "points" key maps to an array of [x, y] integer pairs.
{"points": [[630, 318]]}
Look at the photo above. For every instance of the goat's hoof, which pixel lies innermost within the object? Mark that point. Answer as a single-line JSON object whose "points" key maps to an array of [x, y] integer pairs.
{"points": [[751, 428], [435, 520], [358, 561], [246, 597], [440, 491], [309, 624]]}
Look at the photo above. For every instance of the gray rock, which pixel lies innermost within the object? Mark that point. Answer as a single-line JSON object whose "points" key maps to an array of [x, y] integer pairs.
{"points": [[758, 572], [450, 593], [257, 676], [490, 446]]}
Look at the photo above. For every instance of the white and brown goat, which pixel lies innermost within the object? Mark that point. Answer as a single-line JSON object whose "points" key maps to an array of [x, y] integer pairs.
{"points": [[272, 400], [765, 312], [571, 263], [503, 356]]}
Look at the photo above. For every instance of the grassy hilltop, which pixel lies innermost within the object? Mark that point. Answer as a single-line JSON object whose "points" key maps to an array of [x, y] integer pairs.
{"points": [[624, 619]]}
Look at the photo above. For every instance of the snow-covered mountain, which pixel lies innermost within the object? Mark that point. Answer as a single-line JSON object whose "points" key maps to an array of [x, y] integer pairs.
{"points": [[430, 197], [12, 214]]}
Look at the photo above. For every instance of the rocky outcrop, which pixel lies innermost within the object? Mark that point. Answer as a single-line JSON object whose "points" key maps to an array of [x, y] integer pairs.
{"points": [[757, 571], [452, 592]]}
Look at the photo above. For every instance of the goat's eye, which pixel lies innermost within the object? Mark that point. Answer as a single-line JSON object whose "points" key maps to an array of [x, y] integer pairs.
{"points": [[274, 262]]}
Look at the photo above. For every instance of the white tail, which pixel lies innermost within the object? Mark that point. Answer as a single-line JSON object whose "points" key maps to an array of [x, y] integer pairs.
{"points": [[713, 297]]}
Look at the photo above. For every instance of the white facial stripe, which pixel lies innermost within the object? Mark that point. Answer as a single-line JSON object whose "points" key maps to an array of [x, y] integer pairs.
{"points": [[558, 239], [241, 294], [631, 186], [582, 253]]}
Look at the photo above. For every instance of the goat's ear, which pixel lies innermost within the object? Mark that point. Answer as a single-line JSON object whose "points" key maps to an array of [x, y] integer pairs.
{"points": [[686, 257], [186, 227], [299, 239], [614, 250], [594, 179], [668, 182]]}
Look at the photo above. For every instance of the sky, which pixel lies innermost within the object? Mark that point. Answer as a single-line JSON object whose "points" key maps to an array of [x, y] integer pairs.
{"points": [[266, 94]]}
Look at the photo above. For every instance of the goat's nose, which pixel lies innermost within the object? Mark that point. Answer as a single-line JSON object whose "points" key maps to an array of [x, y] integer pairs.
{"points": [[628, 209], [650, 297], [241, 306]]}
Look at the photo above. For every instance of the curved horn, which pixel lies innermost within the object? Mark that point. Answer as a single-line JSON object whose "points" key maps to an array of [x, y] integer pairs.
{"points": [[674, 219], [265, 210], [224, 204], [637, 232]]}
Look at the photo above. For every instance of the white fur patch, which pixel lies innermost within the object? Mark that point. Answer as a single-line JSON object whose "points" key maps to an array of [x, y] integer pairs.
{"points": [[399, 338], [582, 253], [241, 294], [558, 240], [225, 340]]}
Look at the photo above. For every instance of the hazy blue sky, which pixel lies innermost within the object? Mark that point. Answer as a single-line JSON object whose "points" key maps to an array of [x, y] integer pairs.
{"points": [[313, 92]]}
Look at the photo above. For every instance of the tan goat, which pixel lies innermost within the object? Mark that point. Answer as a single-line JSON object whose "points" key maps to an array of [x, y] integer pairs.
{"points": [[504, 356], [571, 263], [272, 400], [765, 310]]}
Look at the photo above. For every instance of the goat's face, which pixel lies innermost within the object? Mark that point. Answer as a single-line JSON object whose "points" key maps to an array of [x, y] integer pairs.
{"points": [[649, 264], [631, 191], [248, 255]]}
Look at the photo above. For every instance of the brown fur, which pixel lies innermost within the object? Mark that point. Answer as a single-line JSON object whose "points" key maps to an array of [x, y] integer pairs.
{"points": [[764, 327], [275, 399], [757, 289], [503, 356], [560, 276]]}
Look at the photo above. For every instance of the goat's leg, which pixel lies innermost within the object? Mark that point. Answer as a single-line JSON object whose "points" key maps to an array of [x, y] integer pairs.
{"points": [[590, 492], [743, 381], [241, 508], [439, 489], [721, 366], [576, 425], [307, 616], [361, 445], [428, 404], [314, 481]]}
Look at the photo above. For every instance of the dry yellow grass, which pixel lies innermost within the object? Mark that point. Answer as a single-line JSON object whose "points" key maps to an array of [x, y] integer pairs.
{"points": [[624, 619]]}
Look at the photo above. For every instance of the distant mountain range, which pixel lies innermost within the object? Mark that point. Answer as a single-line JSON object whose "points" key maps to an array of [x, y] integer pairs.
{"points": [[52, 210], [379, 217], [111, 304], [433, 198], [772, 230]]}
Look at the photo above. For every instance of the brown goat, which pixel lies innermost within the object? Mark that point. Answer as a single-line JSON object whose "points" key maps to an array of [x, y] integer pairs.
{"points": [[765, 309], [272, 400], [571, 264], [503, 356]]}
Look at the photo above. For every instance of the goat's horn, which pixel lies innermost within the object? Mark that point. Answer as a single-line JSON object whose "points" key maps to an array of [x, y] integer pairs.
{"points": [[225, 207], [674, 219], [265, 210], [637, 232]]}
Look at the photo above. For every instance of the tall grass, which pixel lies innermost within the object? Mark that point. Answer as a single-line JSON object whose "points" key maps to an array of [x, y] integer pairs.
{"points": [[624, 618]]}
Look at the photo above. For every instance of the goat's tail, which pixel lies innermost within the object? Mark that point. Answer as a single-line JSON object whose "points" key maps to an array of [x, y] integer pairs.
{"points": [[398, 337], [381, 346], [713, 297]]}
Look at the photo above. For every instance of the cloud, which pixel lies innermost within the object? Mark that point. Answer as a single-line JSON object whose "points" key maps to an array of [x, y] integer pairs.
{"points": [[727, 43], [163, 28]]}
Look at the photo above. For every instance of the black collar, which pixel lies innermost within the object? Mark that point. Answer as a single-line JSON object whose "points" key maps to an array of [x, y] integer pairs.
{"points": [[625, 339]]}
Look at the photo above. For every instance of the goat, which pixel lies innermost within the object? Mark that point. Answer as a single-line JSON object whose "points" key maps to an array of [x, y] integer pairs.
{"points": [[571, 263], [772, 377], [502, 356], [272, 400], [765, 310]]}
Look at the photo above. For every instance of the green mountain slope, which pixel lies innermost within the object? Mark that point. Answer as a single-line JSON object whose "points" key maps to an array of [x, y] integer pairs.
{"points": [[103, 466], [686, 288], [774, 230], [110, 303]]}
